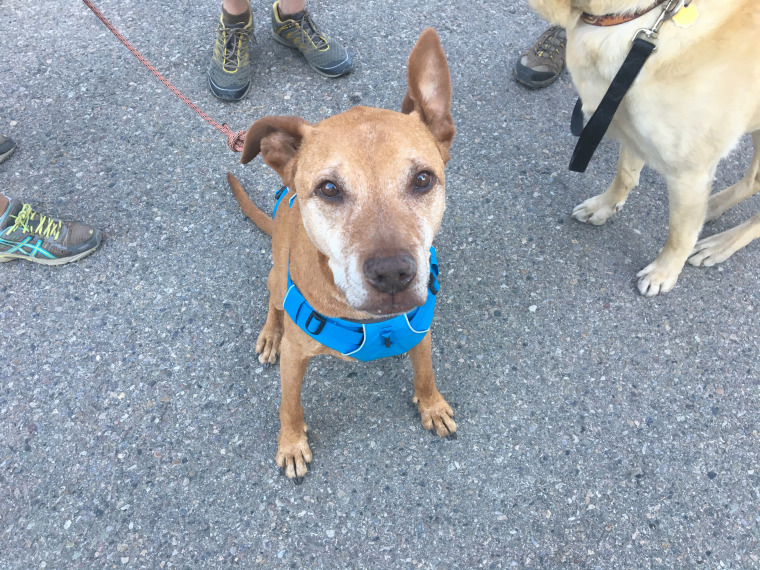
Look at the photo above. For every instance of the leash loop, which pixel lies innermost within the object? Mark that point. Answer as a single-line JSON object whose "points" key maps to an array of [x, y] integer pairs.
{"points": [[235, 140]]}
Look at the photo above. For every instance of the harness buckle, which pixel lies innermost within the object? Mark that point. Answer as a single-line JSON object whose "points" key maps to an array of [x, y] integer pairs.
{"points": [[319, 318]]}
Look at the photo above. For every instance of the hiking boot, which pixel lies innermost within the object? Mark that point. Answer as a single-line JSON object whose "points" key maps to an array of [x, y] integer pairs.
{"points": [[26, 234], [542, 63], [325, 56], [229, 74], [7, 146]]}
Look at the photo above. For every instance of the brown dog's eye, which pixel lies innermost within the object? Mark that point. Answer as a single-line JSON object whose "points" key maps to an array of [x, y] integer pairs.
{"points": [[423, 181], [329, 189]]}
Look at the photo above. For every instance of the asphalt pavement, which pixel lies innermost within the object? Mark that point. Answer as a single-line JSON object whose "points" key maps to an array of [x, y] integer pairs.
{"points": [[597, 429]]}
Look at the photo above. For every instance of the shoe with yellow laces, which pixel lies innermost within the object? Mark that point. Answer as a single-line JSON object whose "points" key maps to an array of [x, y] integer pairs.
{"points": [[30, 235], [229, 73], [541, 64], [324, 55]]}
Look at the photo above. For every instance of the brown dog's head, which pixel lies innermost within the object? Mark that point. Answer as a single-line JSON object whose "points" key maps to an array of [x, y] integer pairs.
{"points": [[370, 184]]}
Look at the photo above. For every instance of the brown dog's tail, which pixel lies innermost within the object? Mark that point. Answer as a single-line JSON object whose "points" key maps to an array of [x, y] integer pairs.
{"points": [[259, 218]]}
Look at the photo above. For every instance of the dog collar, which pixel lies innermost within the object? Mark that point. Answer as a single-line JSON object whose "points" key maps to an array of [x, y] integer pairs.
{"points": [[616, 19], [369, 341]]}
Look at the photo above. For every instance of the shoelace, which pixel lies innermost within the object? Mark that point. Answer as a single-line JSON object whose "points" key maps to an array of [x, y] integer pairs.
{"points": [[551, 41], [235, 44], [310, 30], [26, 216]]}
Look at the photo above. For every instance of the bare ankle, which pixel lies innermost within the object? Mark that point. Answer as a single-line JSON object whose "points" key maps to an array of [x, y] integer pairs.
{"points": [[236, 7]]}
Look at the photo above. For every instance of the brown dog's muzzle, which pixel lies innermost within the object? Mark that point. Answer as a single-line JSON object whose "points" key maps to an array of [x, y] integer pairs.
{"points": [[390, 275]]}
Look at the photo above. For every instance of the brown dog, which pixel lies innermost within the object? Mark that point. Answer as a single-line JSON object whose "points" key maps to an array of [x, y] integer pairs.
{"points": [[693, 100], [366, 197]]}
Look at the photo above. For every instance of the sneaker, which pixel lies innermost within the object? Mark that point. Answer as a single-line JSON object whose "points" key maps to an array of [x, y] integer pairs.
{"points": [[325, 56], [542, 63], [7, 146], [26, 234], [229, 74]]}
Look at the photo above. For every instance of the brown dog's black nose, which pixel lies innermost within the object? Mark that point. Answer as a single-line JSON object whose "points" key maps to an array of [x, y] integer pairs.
{"points": [[390, 274]]}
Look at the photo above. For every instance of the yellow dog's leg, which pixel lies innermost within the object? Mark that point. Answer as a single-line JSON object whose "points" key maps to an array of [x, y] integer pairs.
{"points": [[599, 209]]}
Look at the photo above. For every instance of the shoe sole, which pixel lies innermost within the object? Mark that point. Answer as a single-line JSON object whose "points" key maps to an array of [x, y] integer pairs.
{"points": [[524, 80], [284, 42], [6, 154], [43, 261], [213, 88]]}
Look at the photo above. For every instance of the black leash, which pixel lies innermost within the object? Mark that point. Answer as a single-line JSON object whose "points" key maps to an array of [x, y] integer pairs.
{"points": [[593, 133]]}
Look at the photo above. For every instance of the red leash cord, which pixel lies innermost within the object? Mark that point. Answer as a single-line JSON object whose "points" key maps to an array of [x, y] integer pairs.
{"points": [[234, 140]]}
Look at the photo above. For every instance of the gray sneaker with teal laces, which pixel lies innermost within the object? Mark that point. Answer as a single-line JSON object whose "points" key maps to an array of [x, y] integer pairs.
{"points": [[26, 234], [325, 55], [229, 74]]}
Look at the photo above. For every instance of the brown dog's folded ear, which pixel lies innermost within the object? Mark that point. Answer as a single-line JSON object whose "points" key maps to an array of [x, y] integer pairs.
{"points": [[278, 140], [429, 91]]}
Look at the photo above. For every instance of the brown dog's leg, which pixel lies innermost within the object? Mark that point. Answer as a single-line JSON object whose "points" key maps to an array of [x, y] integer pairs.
{"points": [[435, 412], [687, 195], [745, 188], [293, 452], [268, 343], [599, 209]]}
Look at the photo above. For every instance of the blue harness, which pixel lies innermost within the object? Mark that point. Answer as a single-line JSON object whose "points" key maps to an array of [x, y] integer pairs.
{"points": [[391, 337]]}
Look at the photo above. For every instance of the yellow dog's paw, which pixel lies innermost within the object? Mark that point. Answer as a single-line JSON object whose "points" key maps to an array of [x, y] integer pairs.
{"points": [[596, 210], [436, 414], [268, 344], [718, 248], [656, 278], [293, 453]]}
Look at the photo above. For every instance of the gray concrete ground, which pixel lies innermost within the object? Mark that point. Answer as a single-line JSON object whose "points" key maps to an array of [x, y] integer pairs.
{"points": [[597, 429]]}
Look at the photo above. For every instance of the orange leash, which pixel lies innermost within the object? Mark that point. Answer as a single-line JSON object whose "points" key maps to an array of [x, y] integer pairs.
{"points": [[234, 140]]}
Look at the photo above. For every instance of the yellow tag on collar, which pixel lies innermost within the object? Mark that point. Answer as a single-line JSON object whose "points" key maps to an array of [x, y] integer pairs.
{"points": [[686, 16]]}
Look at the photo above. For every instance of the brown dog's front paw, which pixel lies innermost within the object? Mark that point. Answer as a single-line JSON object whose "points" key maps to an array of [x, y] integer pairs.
{"points": [[268, 344], [436, 414], [293, 453]]}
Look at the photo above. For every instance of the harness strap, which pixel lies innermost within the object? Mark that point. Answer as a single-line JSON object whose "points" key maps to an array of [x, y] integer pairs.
{"points": [[348, 337], [593, 133], [279, 195]]}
